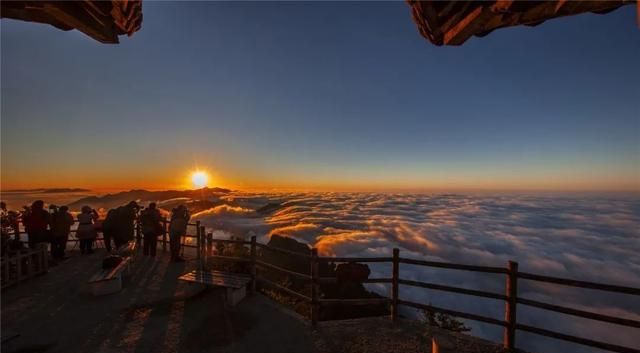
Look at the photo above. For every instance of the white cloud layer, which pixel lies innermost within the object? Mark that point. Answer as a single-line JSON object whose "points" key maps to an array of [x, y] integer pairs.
{"points": [[587, 237]]}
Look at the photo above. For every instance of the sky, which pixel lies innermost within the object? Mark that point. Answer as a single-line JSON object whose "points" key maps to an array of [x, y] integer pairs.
{"points": [[322, 96]]}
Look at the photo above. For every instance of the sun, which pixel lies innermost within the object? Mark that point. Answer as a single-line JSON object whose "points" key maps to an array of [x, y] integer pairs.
{"points": [[199, 179]]}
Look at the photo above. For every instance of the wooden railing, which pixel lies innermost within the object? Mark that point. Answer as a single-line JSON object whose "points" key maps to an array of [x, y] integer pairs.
{"points": [[23, 265], [510, 296], [204, 245]]}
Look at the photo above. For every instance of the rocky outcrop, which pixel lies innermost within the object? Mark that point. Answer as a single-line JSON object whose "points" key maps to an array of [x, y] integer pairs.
{"points": [[348, 283]]}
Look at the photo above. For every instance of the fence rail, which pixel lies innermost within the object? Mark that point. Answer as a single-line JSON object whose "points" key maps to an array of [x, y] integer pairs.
{"points": [[510, 297], [23, 265], [204, 244]]}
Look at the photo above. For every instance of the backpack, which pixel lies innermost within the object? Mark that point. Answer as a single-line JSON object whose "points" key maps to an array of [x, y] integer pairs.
{"points": [[111, 261]]}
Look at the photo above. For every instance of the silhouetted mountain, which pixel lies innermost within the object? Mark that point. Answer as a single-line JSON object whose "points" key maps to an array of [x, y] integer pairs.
{"points": [[141, 195], [49, 190]]}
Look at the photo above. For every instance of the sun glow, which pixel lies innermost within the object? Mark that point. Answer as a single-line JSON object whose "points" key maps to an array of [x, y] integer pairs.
{"points": [[199, 179]]}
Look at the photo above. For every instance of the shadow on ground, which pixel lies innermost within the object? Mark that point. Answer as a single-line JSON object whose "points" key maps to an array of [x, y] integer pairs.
{"points": [[153, 313]]}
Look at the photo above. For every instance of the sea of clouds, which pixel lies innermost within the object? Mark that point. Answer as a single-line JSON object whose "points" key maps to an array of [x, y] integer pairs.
{"points": [[586, 237], [580, 236]]}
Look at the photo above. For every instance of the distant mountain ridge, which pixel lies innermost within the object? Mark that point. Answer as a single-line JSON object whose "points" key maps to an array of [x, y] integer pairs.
{"points": [[121, 198], [48, 190]]}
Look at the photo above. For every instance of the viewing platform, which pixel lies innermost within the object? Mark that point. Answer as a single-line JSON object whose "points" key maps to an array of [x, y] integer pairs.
{"points": [[156, 312]]}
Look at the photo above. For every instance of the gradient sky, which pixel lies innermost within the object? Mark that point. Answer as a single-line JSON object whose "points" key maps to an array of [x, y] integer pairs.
{"points": [[318, 95]]}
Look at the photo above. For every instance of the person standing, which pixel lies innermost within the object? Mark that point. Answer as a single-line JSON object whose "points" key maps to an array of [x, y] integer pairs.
{"points": [[179, 219], [36, 221], [3, 210], [86, 232], [61, 222], [127, 216], [151, 224], [5, 225], [110, 228]]}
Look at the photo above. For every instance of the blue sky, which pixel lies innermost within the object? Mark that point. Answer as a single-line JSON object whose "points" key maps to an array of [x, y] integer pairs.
{"points": [[323, 95]]}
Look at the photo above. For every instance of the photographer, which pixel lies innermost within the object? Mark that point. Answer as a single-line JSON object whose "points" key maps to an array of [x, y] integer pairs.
{"points": [[179, 220], [36, 221], [61, 222], [127, 216], [151, 224], [86, 232]]}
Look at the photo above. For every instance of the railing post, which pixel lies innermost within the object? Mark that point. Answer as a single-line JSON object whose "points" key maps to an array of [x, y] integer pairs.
{"points": [[394, 284], [510, 306], [253, 264], [203, 247], [164, 235], [138, 235], [45, 260], [19, 267], [314, 287], [209, 248], [198, 254], [209, 244]]}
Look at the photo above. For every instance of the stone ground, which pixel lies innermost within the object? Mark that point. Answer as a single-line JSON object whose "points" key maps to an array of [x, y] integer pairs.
{"points": [[380, 335], [155, 312]]}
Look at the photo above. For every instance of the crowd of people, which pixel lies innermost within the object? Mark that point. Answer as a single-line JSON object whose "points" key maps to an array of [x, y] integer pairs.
{"points": [[53, 226]]}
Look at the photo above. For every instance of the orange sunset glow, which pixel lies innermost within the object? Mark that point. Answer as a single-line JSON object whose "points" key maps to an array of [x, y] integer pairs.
{"points": [[320, 176]]}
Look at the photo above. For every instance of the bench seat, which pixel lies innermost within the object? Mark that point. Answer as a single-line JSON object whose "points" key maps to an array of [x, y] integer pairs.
{"points": [[109, 280], [235, 284]]}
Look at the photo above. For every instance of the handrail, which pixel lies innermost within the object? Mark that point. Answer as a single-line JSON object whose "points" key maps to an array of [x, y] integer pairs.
{"points": [[357, 301], [486, 269], [456, 313], [284, 289], [581, 284], [284, 270], [575, 339], [284, 251], [22, 265], [233, 258], [473, 292], [368, 280], [232, 241], [354, 259], [579, 313], [511, 297]]}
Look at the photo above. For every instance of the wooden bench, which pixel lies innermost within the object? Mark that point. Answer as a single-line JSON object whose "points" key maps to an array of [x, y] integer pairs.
{"points": [[109, 280], [8, 336], [235, 284]]}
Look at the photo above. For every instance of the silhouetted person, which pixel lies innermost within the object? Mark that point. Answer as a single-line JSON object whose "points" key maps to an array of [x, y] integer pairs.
{"points": [[10, 224], [36, 221], [179, 219], [110, 228], [86, 232], [125, 229], [5, 227], [61, 222], [151, 224]]}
